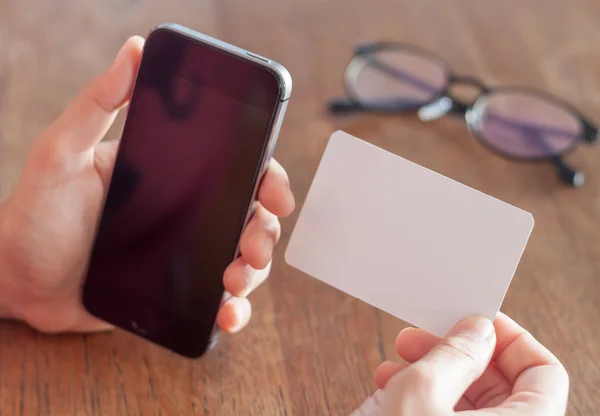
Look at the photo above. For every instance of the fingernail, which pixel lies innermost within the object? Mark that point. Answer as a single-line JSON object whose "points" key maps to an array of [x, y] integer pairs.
{"points": [[477, 327], [242, 319]]}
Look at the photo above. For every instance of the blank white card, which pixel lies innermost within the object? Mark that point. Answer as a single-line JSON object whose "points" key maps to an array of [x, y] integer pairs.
{"points": [[405, 239]]}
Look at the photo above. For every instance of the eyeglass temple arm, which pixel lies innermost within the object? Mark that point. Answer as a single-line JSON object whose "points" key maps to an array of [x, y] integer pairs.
{"points": [[347, 106], [344, 106]]}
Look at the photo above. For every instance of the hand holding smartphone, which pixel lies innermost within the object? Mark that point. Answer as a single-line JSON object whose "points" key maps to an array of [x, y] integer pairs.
{"points": [[202, 125]]}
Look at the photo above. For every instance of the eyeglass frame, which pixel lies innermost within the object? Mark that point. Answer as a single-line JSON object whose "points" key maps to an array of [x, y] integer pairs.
{"points": [[588, 132]]}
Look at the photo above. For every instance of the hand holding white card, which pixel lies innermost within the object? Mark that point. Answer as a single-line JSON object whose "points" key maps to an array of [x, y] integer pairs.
{"points": [[405, 239]]}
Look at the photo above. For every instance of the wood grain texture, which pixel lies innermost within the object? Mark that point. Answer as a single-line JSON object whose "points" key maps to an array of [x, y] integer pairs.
{"points": [[310, 350]]}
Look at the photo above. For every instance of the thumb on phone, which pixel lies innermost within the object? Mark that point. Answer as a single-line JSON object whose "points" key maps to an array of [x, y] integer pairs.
{"points": [[436, 382]]}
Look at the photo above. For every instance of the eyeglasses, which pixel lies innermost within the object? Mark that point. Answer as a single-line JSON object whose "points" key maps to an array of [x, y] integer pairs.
{"points": [[516, 122]]}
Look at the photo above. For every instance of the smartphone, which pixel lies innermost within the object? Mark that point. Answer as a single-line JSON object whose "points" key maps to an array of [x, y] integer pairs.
{"points": [[201, 127]]}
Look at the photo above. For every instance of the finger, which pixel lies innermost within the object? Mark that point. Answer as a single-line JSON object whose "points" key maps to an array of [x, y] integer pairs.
{"points": [[241, 279], [85, 122], [450, 367], [517, 350], [490, 389], [463, 405], [234, 315], [404, 394], [413, 343], [386, 371], [530, 366], [259, 238], [389, 369], [275, 193]]}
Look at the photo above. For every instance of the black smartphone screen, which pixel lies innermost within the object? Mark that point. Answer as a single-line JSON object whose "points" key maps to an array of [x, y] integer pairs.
{"points": [[191, 152]]}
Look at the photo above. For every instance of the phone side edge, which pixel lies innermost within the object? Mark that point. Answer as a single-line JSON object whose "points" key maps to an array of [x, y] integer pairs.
{"points": [[267, 155]]}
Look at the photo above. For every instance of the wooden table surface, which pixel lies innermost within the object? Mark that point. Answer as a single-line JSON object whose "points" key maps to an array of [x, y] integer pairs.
{"points": [[310, 350]]}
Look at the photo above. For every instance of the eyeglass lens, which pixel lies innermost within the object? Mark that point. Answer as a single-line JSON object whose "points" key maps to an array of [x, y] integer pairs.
{"points": [[391, 79]]}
